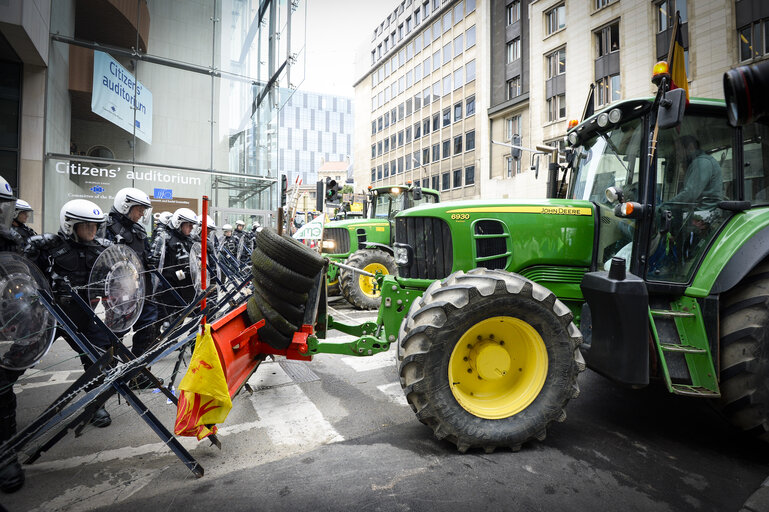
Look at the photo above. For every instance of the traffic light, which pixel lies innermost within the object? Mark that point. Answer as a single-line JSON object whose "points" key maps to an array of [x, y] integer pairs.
{"points": [[332, 191], [283, 189], [515, 152]]}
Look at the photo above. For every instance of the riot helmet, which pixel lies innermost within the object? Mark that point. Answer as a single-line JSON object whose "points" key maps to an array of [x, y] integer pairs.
{"points": [[127, 198], [82, 211], [164, 218], [181, 216], [23, 207]]}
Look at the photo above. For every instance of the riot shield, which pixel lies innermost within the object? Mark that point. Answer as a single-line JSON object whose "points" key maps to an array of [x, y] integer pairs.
{"points": [[195, 262], [116, 287], [27, 328]]}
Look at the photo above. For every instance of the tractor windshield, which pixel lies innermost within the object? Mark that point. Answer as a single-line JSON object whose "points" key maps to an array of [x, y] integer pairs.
{"points": [[389, 202], [610, 158]]}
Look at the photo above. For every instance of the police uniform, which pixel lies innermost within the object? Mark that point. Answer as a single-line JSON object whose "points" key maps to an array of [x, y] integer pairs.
{"points": [[25, 232], [176, 266], [122, 230]]}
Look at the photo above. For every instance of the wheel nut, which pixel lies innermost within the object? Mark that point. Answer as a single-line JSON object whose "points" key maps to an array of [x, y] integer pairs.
{"points": [[469, 370]]}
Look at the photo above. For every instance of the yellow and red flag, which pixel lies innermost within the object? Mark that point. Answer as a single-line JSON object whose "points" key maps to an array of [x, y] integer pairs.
{"points": [[204, 399], [676, 63]]}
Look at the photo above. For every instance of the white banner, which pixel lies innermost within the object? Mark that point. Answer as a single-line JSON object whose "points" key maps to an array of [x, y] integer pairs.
{"points": [[313, 230], [113, 97]]}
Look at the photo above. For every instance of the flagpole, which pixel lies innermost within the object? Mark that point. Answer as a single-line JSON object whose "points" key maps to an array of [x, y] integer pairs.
{"points": [[203, 255], [662, 86]]}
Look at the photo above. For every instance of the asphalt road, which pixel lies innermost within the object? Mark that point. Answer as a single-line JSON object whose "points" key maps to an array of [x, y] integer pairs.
{"points": [[336, 434]]}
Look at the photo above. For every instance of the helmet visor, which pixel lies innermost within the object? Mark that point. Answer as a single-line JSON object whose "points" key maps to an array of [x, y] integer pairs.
{"points": [[85, 232], [7, 213], [28, 219]]}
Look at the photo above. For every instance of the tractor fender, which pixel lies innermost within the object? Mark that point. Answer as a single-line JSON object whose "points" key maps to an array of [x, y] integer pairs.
{"points": [[381, 247], [755, 250], [741, 245]]}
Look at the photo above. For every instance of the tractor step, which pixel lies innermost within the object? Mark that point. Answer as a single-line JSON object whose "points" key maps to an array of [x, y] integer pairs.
{"points": [[683, 389], [671, 314], [687, 343], [684, 349]]}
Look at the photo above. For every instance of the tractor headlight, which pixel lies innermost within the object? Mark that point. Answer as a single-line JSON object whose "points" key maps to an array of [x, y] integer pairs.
{"points": [[401, 253], [328, 244]]}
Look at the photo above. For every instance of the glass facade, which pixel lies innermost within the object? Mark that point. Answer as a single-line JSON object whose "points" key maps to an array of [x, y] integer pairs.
{"points": [[179, 101]]}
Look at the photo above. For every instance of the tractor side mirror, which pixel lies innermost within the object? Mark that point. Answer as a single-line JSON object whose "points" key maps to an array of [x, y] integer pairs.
{"points": [[671, 109], [417, 193]]}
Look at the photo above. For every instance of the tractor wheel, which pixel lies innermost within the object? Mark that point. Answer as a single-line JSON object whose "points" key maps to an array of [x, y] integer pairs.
{"points": [[291, 312], [745, 353], [359, 289], [290, 253], [489, 359], [332, 289], [294, 297], [267, 332], [279, 273]]}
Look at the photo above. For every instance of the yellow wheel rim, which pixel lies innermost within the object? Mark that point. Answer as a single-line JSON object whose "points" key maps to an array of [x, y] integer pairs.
{"points": [[368, 284], [498, 367]]}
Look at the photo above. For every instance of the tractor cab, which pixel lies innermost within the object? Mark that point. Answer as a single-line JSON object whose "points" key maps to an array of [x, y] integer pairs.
{"points": [[659, 215], [385, 202]]}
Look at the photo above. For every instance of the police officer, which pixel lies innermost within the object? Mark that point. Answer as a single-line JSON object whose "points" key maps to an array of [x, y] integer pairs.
{"points": [[11, 475], [161, 223], [130, 207], [171, 252], [229, 240], [23, 214], [68, 257]]}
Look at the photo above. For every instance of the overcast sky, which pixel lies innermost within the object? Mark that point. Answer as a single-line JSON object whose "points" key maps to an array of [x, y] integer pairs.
{"points": [[336, 29]]}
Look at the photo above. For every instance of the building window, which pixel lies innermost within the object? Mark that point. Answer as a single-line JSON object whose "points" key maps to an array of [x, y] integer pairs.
{"points": [[513, 167], [408, 134], [447, 53], [435, 182], [446, 84], [514, 88], [556, 107], [470, 175], [387, 145], [470, 106], [447, 21], [446, 116], [379, 172], [426, 67], [470, 140], [459, 78], [400, 165], [607, 90], [607, 40], [470, 37], [400, 138], [373, 174], [556, 63], [436, 30], [457, 144], [408, 107], [459, 45], [426, 156], [446, 148], [666, 12], [446, 181], [513, 12], [600, 4], [379, 148], [457, 178], [512, 127], [409, 79], [408, 162], [555, 19], [387, 170], [426, 96], [458, 13], [425, 182], [373, 151], [417, 130], [436, 121], [457, 111], [426, 126], [514, 50], [373, 127], [436, 90], [470, 71], [416, 159], [436, 152]]}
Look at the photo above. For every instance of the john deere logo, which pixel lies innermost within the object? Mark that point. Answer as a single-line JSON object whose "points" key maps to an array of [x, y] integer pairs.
{"points": [[97, 189]]}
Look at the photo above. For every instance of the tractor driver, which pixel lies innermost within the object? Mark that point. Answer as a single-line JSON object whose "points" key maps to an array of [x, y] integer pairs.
{"points": [[703, 182]]}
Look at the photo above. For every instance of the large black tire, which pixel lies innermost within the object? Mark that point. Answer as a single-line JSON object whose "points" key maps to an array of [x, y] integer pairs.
{"points": [[357, 288], [267, 332], [291, 312], [279, 273], [294, 297], [290, 253], [472, 387], [745, 353]]}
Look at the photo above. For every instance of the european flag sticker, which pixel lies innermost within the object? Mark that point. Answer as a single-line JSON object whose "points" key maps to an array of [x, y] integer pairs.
{"points": [[97, 189], [163, 193]]}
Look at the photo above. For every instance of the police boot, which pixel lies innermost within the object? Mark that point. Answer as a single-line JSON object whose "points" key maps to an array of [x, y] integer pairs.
{"points": [[11, 477], [101, 418]]}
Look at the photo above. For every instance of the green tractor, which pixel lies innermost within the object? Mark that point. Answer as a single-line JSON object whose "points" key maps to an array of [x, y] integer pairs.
{"points": [[366, 243], [659, 253]]}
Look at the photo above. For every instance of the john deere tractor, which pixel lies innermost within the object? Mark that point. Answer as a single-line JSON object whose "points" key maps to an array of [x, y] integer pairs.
{"points": [[659, 253], [366, 243]]}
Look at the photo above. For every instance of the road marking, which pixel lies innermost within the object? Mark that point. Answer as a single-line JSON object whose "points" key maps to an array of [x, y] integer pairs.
{"points": [[54, 378], [394, 393]]}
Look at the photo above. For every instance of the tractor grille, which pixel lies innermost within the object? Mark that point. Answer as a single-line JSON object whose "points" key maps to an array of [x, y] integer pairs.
{"points": [[491, 244], [431, 248], [341, 239]]}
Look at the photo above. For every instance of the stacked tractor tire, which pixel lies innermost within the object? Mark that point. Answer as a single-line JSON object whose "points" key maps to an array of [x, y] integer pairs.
{"points": [[284, 272]]}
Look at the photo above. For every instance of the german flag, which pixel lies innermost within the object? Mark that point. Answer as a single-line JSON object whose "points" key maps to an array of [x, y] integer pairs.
{"points": [[676, 63]]}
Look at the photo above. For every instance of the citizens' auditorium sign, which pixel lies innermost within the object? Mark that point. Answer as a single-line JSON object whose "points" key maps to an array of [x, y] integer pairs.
{"points": [[117, 95]]}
